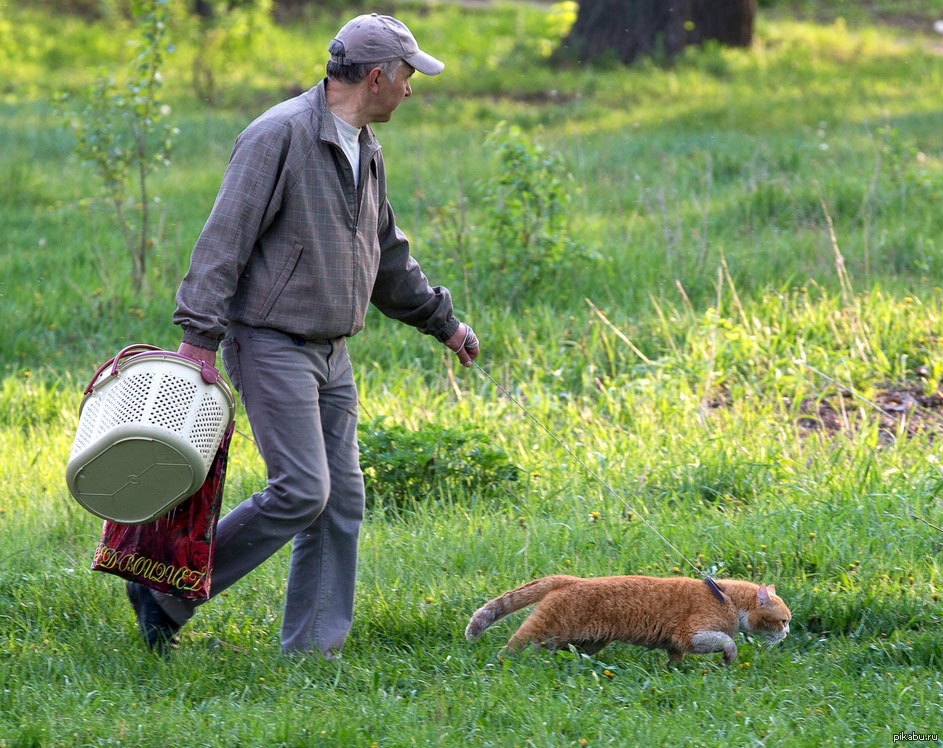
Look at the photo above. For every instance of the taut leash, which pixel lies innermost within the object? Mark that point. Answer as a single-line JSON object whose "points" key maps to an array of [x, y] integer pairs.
{"points": [[711, 584]]}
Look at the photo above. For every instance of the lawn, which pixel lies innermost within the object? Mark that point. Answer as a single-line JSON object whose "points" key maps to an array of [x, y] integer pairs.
{"points": [[736, 324]]}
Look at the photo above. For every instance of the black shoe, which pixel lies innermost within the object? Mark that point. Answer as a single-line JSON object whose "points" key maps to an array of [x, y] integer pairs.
{"points": [[158, 629]]}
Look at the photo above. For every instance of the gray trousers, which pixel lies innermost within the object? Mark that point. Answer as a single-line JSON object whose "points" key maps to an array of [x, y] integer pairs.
{"points": [[301, 401]]}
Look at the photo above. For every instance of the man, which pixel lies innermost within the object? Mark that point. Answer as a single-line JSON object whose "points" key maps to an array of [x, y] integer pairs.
{"points": [[301, 238]]}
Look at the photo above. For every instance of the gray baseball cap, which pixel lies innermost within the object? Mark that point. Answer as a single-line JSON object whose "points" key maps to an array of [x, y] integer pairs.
{"points": [[375, 38]]}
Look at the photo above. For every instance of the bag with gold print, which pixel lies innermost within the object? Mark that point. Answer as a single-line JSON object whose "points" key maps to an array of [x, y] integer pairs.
{"points": [[174, 553]]}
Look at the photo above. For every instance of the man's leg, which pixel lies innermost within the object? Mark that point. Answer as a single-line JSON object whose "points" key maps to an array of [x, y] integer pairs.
{"points": [[279, 383], [319, 601]]}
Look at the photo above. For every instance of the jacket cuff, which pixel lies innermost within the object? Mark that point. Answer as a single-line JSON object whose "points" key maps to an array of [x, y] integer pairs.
{"points": [[447, 330], [200, 341]]}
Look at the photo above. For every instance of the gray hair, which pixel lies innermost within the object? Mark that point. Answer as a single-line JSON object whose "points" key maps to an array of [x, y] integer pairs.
{"points": [[356, 72]]}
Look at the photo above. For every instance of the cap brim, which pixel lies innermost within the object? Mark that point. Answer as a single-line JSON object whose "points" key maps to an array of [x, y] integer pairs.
{"points": [[426, 64]]}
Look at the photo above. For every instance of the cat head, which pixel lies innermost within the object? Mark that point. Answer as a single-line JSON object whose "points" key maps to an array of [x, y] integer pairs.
{"points": [[769, 618]]}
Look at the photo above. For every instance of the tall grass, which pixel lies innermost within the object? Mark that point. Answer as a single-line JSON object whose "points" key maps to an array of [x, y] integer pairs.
{"points": [[723, 363]]}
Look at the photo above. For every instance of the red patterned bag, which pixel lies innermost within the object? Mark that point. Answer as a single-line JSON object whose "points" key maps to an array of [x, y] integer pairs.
{"points": [[174, 553]]}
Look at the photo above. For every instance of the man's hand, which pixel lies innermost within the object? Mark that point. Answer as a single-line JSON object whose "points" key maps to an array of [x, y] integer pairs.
{"points": [[465, 344], [200, 354]]}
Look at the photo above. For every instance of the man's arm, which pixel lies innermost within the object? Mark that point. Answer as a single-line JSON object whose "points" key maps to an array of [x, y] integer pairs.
{"points": [[248, 199]]}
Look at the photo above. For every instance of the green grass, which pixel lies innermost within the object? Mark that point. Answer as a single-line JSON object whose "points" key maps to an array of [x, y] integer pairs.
{"points": [[703, 190]]}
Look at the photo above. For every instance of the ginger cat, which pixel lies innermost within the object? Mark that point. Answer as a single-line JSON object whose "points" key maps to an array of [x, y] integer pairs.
{"points": [[678, 614]]}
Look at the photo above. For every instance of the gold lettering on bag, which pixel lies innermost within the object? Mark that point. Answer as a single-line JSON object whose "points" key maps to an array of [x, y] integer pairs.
{"points": [[181, 578]]}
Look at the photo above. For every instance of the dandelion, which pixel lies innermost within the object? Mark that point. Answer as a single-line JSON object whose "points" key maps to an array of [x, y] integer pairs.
{"points": [[261, 679], [811, 536], [594, 516], [522, 521], [430, 599], [676, 569]]}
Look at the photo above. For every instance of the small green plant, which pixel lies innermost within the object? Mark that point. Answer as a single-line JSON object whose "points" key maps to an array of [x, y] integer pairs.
{"points": [[527, 239], [120, 133], [402, 466]]}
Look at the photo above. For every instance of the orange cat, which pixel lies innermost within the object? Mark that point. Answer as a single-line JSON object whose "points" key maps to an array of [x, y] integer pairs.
{"points": [[678, 614]]}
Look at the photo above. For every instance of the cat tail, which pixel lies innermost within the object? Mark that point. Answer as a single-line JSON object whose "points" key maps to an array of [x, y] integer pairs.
{"points": [[509, 602]]}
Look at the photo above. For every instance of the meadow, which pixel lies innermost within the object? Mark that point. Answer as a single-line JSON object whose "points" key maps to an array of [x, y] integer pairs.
{"points": [[736, 321]]}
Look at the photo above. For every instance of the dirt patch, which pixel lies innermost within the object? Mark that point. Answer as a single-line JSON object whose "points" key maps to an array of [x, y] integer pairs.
{"points": [[900, 409]]}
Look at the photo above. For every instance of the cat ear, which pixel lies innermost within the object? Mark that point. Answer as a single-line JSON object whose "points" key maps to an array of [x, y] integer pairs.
{"points": [[771, 589], [762, 594]]}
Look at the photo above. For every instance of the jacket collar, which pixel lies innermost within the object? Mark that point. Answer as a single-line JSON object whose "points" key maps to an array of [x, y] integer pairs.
{"points": [[327, 130]]}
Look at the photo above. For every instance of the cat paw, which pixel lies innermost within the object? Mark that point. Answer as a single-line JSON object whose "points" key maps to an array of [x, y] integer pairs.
{"points": [[730, 653]]}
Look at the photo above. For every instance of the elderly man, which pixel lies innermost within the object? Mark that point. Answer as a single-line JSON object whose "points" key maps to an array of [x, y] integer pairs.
{"points": [[301, 238]]}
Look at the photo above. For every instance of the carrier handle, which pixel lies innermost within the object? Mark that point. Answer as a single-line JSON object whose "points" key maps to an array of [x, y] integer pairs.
{"points": [[209, 374], [116, 360]]}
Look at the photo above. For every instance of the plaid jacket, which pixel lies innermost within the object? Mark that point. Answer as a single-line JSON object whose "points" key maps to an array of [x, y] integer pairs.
{"points": [[292, 244]]}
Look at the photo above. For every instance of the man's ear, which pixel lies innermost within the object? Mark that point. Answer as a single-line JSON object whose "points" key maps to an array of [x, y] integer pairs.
{"points": [[372, 77]]}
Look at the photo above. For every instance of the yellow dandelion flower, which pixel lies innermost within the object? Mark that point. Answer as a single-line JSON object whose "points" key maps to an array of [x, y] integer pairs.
{"points": [[608, 673]]}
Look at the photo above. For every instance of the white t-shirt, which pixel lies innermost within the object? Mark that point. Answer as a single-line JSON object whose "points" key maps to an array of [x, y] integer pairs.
{"points": [[350, 143]]}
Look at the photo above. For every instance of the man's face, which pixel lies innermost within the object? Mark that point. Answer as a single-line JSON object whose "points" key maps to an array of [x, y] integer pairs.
{"points": [[390, 94]]}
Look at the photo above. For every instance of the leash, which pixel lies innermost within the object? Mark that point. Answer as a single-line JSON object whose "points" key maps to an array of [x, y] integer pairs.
{"points": [[711, 584]]}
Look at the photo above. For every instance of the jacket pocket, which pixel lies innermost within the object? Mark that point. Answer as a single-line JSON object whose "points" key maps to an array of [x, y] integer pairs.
{"points": [[281, 281]]}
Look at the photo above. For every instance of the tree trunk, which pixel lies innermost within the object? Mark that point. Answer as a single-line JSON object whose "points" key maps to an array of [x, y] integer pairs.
{"points": [[625, 29]]}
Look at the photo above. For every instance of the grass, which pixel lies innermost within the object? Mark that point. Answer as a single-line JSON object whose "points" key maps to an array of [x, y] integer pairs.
{"points": [[711, 392]]}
